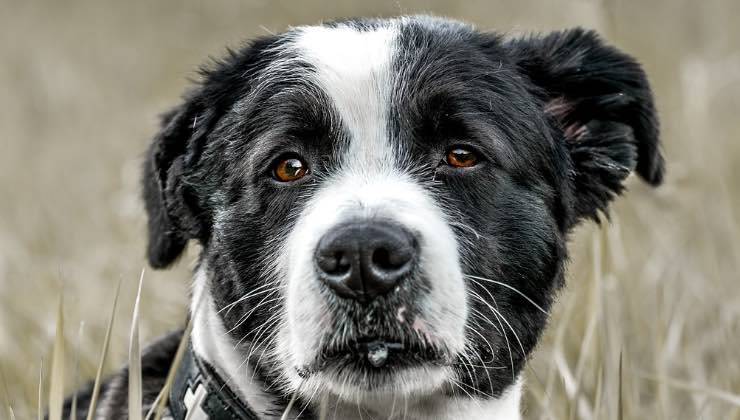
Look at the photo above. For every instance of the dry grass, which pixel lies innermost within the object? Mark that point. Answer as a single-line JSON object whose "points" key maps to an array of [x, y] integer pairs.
{"points": [[649, 326]]}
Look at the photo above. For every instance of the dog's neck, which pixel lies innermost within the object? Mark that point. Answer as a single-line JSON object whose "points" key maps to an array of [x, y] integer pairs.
{"points": [[212, 344]]}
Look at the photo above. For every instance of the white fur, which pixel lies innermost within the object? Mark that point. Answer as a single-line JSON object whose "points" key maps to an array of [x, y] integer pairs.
{"points": [[435, 406], [212, 343]]}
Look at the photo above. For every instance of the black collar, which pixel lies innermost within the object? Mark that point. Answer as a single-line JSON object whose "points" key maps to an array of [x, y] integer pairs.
{"points": [[199, 393]]}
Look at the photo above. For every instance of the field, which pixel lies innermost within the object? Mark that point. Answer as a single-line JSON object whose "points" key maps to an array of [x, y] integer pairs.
{"points": [[648, 327]]}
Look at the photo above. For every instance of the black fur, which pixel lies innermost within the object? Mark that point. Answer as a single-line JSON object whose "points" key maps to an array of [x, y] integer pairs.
{"points": [[561, 120]]}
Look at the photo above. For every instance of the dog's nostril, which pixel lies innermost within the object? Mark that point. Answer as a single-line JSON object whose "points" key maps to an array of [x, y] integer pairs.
{"points": [[334, 263], [381, 258], [394, 259], [342, 263]]}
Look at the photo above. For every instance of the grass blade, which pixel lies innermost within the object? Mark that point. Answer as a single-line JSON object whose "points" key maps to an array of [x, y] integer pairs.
{"points": [[56, 387], [73, 410], [161, 401], [11, 414], [598, 392], [40, 408], [134, 361], [103, 356], [620, 395], [286, 413]]}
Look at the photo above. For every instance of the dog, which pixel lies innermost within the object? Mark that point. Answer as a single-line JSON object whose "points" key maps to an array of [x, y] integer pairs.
{"points": [[382, 208]]}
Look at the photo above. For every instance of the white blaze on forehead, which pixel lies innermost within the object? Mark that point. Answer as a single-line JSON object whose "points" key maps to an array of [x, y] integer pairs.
{"points": [[354, 67], [355, 70]]}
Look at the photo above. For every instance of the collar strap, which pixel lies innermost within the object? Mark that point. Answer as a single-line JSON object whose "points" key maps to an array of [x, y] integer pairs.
{"points": [[199, 393]]}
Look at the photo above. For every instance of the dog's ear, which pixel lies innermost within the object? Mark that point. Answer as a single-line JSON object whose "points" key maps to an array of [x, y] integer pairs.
{"points": [[601, 106], [170, 205], [176, 179]]}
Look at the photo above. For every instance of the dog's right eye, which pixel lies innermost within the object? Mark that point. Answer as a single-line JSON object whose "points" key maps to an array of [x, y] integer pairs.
{"points": [[289, 169]]}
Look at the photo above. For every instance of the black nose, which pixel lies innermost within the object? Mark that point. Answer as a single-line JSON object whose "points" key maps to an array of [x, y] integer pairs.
{"points": [[361, 260]]}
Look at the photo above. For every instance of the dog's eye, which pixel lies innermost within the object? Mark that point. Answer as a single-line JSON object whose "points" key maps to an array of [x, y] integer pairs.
{"points": [[461, 157], [289, 169]]}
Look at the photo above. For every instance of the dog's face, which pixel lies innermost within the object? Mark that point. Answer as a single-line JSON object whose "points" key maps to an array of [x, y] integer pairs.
{"points": [[383, 205]]}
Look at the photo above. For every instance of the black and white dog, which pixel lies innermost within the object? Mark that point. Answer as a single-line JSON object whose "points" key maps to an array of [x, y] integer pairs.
{"points": [[383, 208]]}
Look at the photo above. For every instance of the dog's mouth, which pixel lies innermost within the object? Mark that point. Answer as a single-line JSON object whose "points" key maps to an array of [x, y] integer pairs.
{"points": [[380, 355]]}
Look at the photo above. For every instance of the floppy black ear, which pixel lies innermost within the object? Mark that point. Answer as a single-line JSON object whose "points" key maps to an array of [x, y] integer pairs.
{"points": [[601, 105], [170, 206]]}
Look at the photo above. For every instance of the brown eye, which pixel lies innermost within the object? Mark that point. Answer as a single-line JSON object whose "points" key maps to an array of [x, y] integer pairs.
{"points": [[459, 157], [290, 169]]}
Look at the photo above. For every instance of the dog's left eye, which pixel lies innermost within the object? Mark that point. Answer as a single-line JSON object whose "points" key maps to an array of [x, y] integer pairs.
{"points": [[461, 157], [289, 169]]}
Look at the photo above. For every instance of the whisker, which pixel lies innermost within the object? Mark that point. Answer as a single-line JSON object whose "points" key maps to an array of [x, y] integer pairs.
{"points": [[524, 354], [467, 365], [488, 343], [465, 226], [510, 288], [480, 315], [459, 385], [475, 390], [244, 318], [238, 368], [265, 327], [256, 292], [506, 337], [270, 341], [305, 406]]}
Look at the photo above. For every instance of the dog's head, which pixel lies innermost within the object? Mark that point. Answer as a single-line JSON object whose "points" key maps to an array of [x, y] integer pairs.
{"points": [[383, 205]]}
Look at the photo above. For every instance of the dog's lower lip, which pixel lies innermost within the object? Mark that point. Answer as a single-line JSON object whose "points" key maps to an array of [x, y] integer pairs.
{"points": [[375, 350], [382, 353]]}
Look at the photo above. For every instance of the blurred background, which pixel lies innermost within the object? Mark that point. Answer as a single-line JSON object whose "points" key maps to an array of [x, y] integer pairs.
{"points": [[82, 83]]}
